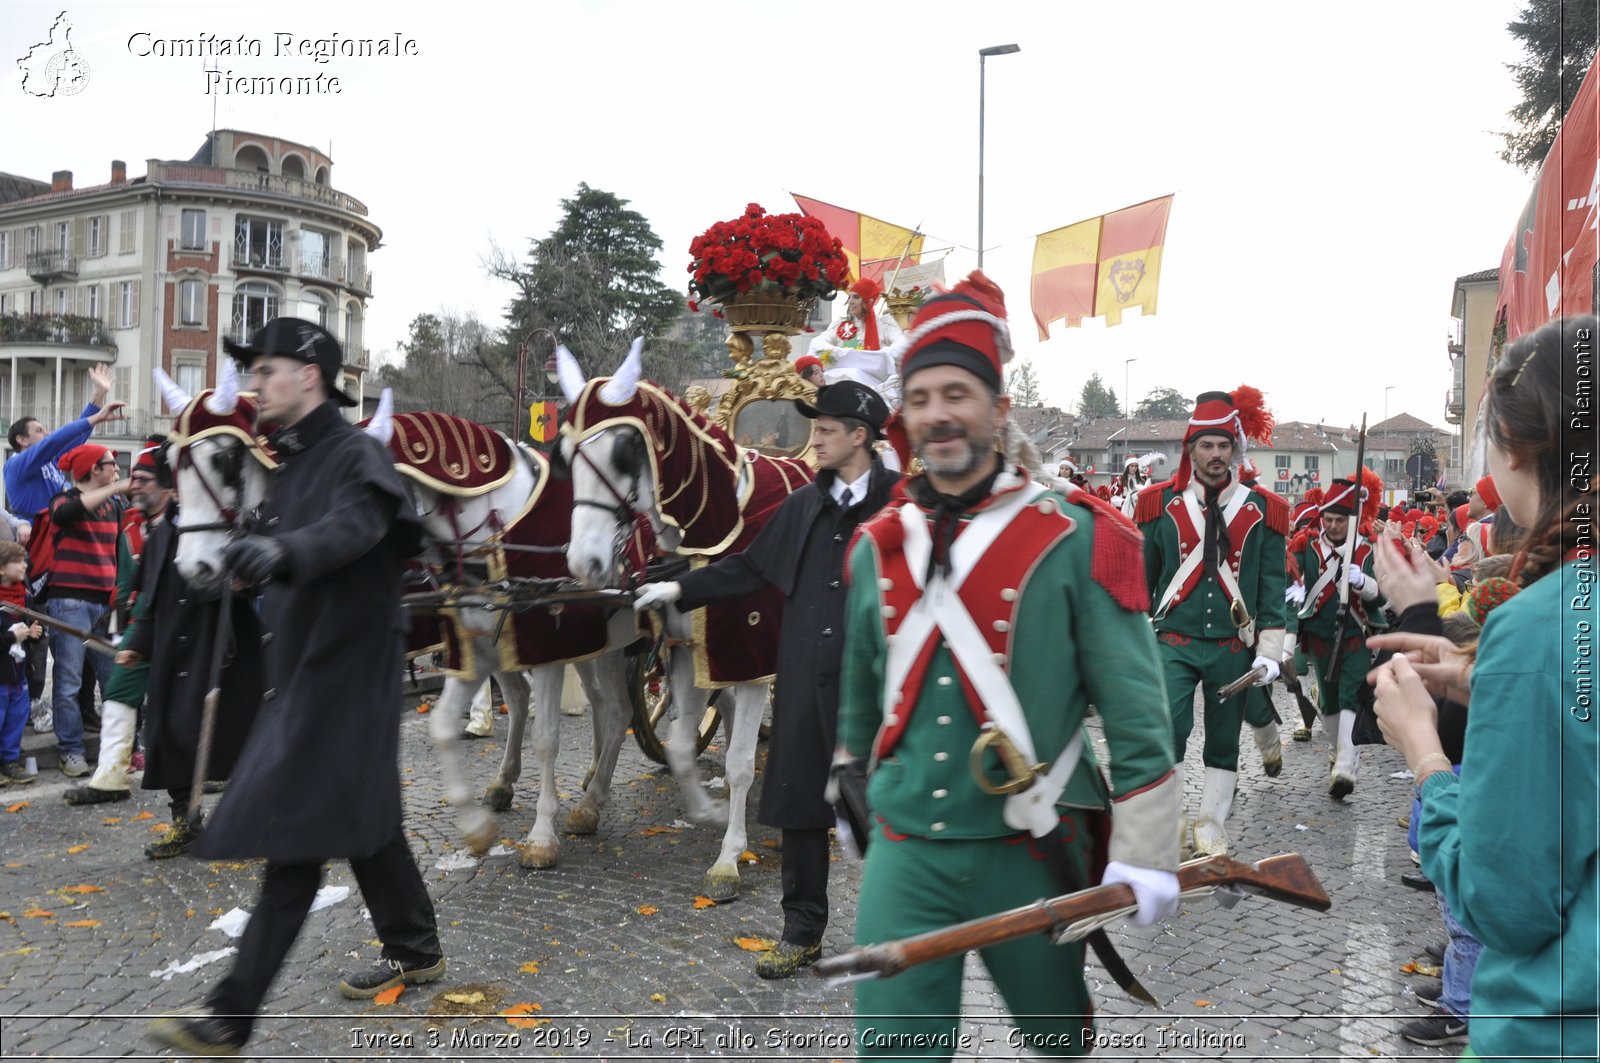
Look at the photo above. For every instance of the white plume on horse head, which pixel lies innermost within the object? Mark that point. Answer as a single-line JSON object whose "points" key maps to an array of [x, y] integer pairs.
{"points": [[569, 374], [225, 398], [176, 398], [381, 427], [625, 381]]}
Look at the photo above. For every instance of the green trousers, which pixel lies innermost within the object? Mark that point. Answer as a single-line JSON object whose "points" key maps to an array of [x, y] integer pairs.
{"points": [[1212, 663], [1354, 662], [912, 885], [129, 683]]}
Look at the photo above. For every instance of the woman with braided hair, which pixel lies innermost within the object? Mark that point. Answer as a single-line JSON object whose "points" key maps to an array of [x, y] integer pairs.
{"points": [[1512, 843]]}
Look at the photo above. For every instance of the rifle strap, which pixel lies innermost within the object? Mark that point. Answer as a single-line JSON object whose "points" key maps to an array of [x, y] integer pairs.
{"points": [[1054, 849]]}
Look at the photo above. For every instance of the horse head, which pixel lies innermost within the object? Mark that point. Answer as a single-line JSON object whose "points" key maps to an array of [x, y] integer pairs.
{"points": [[220, 468]]}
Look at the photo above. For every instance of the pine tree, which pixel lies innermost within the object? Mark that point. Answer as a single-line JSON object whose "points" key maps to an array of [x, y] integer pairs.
{"points": [[1024, 386], [1558, 40], [1096, 400]]}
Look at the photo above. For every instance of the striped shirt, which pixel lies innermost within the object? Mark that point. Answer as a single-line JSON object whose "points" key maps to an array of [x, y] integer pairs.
{"points": [[85, 564]]}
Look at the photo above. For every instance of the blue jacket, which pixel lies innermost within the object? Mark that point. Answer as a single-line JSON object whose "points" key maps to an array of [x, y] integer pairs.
{"points": [[32, 478]]}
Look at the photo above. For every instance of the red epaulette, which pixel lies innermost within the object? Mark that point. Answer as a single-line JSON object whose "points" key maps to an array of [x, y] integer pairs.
{"points": [[1291, 566], [1300, 541], [1118, 560], [1277, 509], [1147, 507], [885, 529]]}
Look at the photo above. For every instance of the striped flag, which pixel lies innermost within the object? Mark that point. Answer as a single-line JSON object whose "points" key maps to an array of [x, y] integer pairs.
{"points": [[873, 246], [1100, 267]]}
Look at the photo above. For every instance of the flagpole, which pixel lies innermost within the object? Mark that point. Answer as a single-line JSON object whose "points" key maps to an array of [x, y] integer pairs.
{"points": [[902, 261]]}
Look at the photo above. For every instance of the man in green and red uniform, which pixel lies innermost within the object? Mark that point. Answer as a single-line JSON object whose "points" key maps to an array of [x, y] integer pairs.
{"points": [[981, 601], [1214, 564], [1328, 579]]}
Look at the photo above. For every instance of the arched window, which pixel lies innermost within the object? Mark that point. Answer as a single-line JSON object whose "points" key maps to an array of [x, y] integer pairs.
{"points": [[322, 175], [250, 157], [254, 304], [294, 166], [314, 306]]}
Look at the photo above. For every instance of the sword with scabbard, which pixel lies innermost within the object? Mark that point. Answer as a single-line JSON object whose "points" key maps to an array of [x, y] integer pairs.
{"points": [[90, 639], [1287, 878], [1052, 847]]}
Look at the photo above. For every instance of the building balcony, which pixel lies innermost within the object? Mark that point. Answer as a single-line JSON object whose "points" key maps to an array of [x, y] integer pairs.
{"points": [[55, 330], [184, 173], [336, 271], [47, 266], [357, 356], [255, 262], [360, 281]]}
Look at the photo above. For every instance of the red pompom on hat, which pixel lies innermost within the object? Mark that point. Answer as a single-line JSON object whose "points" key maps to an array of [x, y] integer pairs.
{"points": [[965, 327], [1314, 496], [1342, 497], [1486, 491], [80, 461]]}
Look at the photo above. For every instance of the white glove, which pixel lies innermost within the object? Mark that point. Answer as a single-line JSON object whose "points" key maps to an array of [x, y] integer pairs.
{"points": [[1295, 594], [1358, 578], [847, 840], [19, 631], [1156, 891], [1290, 644], [657, 596], [1272, 668]]}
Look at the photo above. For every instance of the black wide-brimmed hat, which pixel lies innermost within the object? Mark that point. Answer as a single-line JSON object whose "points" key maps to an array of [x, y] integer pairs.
{"points": [[306, 341], [848, 398]]}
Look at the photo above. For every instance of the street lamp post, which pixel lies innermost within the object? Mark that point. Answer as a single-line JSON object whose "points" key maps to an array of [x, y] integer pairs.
{"points": [[983, 57], [1127, 395]]}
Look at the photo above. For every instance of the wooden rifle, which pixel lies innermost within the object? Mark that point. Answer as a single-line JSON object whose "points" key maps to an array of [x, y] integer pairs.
{"points": [[90, 639], [1285, 878], [1330, 674]]}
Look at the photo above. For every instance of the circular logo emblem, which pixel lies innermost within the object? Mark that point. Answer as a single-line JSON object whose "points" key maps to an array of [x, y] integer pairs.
{"points": [[68, 72]]}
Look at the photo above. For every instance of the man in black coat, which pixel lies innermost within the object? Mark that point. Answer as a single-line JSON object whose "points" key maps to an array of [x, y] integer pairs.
{"points": [[801, 552], [319, 777]]}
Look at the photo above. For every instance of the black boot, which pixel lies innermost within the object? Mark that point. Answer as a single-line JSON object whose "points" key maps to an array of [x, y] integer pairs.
{"points": [[176, 841]]}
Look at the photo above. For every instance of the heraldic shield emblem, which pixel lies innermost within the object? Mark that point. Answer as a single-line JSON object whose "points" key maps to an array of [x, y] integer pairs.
{"points": [[1125, 275]]}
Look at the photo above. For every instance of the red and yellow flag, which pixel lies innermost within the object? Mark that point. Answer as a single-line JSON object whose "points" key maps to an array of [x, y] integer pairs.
{"points": [[1100, 267], [544, 421], [874, 247]]}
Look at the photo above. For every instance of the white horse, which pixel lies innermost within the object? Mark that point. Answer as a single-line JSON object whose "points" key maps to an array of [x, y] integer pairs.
{"points": [[625, 437], [213, 444]]}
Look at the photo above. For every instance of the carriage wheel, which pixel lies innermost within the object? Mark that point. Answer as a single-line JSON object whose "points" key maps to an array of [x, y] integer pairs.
{"points": [[651, 718]]}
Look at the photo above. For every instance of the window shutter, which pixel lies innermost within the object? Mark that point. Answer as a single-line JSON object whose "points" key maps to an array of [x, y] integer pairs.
{"points": [[135, 322], [129, 226], [80, 237]]}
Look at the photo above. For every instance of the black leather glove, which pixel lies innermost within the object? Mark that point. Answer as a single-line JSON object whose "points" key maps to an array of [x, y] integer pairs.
{"points": [[255, 558]]}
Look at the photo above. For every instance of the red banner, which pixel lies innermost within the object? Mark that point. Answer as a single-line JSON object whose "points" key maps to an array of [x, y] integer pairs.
{"points": [[1547, 269]]}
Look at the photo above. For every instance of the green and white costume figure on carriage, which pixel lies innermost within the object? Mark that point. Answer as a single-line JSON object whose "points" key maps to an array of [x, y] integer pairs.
{"points": [[1336, 566], [1214, 564]]}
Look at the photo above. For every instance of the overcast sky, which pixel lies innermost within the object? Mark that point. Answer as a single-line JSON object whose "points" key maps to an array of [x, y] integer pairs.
{"points": [[1335, 166]]}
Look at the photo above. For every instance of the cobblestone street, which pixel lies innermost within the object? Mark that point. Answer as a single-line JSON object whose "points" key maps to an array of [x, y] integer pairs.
{"points": [[612, 950]]}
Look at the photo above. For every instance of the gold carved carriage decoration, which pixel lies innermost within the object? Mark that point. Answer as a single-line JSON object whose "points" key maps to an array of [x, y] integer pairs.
{"points": [[758, 411]]}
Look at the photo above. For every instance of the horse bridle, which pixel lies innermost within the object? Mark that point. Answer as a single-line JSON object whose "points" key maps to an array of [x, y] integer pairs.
{"points": [[623, 510], [233, 478]]}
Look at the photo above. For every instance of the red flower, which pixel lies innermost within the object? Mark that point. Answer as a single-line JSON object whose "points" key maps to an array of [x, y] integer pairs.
{"points": [[791, 254]]}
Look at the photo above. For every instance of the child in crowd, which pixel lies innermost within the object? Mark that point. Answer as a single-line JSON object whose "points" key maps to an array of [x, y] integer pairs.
{"points": [[14, 703]]}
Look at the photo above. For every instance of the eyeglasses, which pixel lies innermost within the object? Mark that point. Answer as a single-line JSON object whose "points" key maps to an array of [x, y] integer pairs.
{"points": [[103, 464]]}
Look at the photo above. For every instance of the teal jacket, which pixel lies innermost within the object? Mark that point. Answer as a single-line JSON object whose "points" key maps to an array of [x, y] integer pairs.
{"points": [[1512, 843]]}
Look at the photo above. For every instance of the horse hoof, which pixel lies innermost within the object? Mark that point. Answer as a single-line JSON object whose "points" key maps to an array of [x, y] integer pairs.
{"points": [[538, 856], [721, 885], [480, 839], [498, 797], [583, 821]]}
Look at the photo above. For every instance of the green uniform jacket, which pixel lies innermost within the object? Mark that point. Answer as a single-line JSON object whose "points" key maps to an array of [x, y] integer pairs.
{"points": [[1072, 645], [1204, 613], [1512, 843], [1321, 624]]}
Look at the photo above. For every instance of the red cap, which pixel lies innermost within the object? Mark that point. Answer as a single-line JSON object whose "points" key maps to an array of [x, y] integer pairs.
{"points": [[80, 461], [964, 327], [1462, 520], [1486, 491], [807, 361]]}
